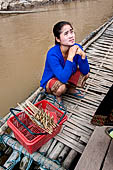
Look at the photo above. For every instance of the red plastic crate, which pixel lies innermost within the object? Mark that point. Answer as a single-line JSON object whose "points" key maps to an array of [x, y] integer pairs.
{"points": [[34, 142]]}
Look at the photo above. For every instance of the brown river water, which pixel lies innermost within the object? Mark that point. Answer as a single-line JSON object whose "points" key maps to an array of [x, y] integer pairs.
{"points": [[25, 39]]}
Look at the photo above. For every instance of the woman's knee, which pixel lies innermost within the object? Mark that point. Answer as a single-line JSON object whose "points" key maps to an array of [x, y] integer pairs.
{"points": [[61, 90]]}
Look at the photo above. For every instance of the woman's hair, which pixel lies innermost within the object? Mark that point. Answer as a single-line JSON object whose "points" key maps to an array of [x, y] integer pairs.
{"points": [[57, 29]]}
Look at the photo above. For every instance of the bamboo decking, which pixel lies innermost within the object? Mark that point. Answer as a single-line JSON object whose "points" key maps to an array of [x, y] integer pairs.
{"points": [[78, 138], [98, 154]]}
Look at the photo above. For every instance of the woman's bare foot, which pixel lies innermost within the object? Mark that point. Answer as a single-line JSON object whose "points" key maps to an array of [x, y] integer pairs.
{"points": [[75, 92], [59, 99], [58, 102]]}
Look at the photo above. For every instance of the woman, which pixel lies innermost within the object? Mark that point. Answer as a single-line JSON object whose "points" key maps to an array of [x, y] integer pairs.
{"points": [[63, 61], [104, 114]]}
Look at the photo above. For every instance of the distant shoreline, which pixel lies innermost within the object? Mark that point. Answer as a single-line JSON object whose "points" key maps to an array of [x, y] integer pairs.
{"points": [[25, 5]]}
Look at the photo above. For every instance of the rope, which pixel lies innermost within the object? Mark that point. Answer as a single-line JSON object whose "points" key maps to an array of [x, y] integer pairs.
{"points": [[41, 163], [38, 95], [29, 162], [14, 162]]}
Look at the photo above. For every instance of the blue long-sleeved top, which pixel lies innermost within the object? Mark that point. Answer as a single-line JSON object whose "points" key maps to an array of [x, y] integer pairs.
{"points": [[55, 66]]}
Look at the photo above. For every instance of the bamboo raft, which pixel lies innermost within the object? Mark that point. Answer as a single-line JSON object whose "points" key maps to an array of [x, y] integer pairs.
{"points": [[66, 149]]}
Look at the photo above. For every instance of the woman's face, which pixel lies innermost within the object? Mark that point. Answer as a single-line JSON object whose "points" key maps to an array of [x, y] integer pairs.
{"points": [[67, 36]]}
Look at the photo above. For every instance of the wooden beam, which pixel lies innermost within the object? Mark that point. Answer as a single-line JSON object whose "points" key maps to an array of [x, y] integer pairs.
{"points": [[95, 150], [108, 164]]}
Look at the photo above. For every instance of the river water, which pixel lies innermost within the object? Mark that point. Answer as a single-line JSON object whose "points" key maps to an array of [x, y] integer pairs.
{"points": [[25, 39]]}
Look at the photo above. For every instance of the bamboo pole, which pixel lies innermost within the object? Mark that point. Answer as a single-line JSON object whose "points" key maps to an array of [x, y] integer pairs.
{"points": [[34, 95], [51, 147], [63, 154], [98, 34], [69, 159], [24, 163], [92, 34], [45, 147], [36, 156], [12, 159], [71, 142], [56, 151]]}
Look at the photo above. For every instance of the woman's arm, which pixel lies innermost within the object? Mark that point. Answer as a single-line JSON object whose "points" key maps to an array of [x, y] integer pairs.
{"points": [[77, 55], [60, 71]]}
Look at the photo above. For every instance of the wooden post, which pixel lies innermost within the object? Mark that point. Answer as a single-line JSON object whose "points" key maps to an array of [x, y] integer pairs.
{"points": [[63, 154], [36, 156], [24, 163], [56, 151], [45, 147], [13, 157], [70, 157]]}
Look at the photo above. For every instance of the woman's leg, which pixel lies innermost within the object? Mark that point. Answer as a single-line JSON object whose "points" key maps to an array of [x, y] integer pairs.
{"points": [[61, 90], [78, 79], [54, 86], [103, 113], [82, 80]]}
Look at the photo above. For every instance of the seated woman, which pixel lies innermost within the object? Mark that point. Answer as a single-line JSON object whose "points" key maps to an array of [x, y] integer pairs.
{"points": [[104, 115], [65, 61]]}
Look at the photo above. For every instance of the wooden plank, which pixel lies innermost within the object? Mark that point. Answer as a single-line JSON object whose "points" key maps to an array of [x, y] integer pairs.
{"points": [[96, 51], [85, 111], [104, 42], [71, 135], [91, 53], [100, 53], [95, 150], [81, 136], [108, 164], [73, 145], [78, 102], [80, 125], [102, 47], [82, 122], [106, 37]]}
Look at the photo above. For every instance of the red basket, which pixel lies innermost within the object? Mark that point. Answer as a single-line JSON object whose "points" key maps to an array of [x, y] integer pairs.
{"points": [[29, 141]]}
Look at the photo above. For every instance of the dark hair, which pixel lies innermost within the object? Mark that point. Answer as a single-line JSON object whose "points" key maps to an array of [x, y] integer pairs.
{"points": [[57, 29]]}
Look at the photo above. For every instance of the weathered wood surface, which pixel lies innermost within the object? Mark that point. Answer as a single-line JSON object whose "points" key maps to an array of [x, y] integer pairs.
{"points": [[98, 154], [108, 163]]}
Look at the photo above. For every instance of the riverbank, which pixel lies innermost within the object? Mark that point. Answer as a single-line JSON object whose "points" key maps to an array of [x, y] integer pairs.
{"points": [[15, 5]]}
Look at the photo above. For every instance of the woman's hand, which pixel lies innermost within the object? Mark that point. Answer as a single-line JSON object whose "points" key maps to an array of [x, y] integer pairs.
{"points": [[75, 50], [81, 53], [72, 52]]}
